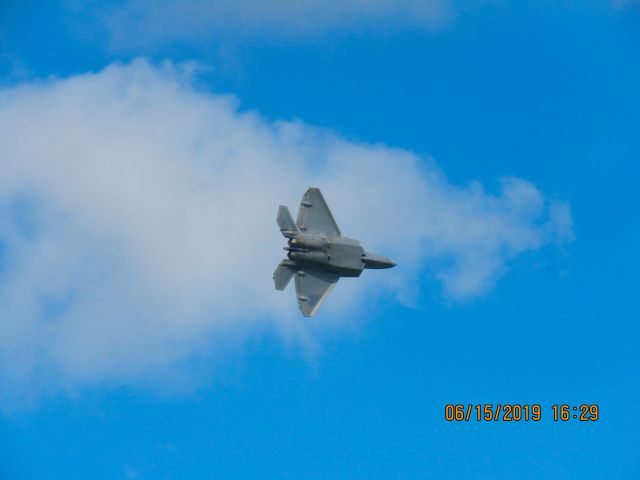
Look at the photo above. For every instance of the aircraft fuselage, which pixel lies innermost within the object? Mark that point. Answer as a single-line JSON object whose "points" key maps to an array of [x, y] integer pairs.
{"points": [[340, 255]]}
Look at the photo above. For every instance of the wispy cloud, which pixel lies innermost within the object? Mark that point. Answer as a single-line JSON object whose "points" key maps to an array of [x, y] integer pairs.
{"points": [[625, 3], [137, 223], [147, 23]]}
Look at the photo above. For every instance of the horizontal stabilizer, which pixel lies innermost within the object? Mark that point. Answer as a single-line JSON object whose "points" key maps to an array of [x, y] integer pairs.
{"points": [[282, 275], [285, 221]]}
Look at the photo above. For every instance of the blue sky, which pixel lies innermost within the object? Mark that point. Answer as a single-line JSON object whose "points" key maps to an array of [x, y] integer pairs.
{"points": [[532, 305]]}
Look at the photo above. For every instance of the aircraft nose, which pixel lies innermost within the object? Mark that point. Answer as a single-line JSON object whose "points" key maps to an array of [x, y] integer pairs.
{"points": [[390, 263], [377, 261]]}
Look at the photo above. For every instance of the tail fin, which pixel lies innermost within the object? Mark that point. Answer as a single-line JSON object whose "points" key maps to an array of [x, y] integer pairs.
{"points": [[282, 275], [285, 221]]}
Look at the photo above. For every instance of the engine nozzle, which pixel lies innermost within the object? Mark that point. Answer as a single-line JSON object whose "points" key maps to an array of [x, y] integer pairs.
{"points": [[309, 243], [317, 257]]}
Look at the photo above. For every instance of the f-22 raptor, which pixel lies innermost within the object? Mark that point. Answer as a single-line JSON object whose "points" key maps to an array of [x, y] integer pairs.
{"points": [[318, 255]]}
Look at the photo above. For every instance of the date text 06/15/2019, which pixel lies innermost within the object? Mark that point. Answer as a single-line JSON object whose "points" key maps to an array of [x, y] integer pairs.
{"points": [[514, 412]]}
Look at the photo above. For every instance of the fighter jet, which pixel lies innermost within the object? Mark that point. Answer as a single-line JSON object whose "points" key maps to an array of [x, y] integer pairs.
{"points": [[318, 255]]}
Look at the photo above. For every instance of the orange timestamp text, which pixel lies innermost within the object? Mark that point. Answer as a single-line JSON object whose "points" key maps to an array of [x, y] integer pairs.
{"points": [[515, 412]]}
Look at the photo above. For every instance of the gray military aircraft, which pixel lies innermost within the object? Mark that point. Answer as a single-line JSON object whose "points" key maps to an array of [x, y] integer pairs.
{"points": [[318, 255]]}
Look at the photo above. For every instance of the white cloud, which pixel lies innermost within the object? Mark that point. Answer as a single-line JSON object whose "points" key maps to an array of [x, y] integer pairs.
{"points": [[144, 23], [137, 223]]}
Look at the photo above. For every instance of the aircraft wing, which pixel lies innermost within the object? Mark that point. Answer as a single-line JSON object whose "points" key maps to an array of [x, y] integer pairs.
{"points": [[314, 215], [312, 287]]}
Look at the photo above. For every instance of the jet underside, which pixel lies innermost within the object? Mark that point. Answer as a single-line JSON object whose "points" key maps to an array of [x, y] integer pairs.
{"points": [[317, 253]]}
